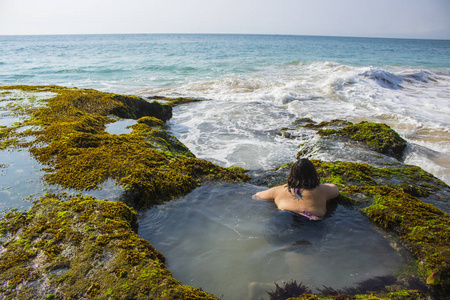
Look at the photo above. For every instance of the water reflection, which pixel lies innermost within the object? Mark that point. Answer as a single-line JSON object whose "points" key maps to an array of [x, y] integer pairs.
{"points": [[121, 126], [217, 238], [21, 182]]}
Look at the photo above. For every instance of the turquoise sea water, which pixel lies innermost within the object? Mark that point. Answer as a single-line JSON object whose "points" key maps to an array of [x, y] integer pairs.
{"points": [[126, 62]]}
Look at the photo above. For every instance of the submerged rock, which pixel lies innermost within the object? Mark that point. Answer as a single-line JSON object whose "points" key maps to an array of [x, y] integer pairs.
{"points": [[330, 124], [174, 101], [297, 128]]}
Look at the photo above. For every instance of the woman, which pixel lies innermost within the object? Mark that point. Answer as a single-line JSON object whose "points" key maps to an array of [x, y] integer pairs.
{"points": [[303, 193], [302, 199]]}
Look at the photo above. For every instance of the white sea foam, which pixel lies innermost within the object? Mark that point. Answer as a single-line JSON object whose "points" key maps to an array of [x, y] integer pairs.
{"points": [[248, 109]]}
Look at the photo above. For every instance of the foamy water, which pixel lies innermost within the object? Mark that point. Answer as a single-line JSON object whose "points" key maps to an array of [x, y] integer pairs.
{"points": [[238, 125]]}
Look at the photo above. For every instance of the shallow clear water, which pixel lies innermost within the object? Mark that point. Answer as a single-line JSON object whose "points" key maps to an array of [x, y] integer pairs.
{"points": [[21, 182], [221, 240], [20, 177], [121, 126]]}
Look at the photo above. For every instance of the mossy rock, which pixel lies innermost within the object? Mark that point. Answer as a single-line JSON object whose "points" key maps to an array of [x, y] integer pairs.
{"points": [[336, 123], [175, 101], [151, 121], [422, 228], [70, 138], [378, 136], [81, 248], [69, 100], [410, 179]]}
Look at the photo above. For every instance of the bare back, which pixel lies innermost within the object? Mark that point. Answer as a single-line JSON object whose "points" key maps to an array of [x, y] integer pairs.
{"points": [[311, 201]]}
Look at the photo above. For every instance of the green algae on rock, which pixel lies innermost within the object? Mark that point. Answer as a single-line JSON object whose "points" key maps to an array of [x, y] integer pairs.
{"points": [[174, 101], [70, 138], [422, 228], [336, 123], [378, 136], [411, 179], [81, 248], [408, 178]]}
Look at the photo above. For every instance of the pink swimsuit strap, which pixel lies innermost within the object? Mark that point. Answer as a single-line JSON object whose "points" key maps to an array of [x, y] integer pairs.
{"points": [[309, 216]]}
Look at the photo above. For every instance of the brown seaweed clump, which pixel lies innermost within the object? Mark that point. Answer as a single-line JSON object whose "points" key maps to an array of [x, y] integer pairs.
{"points": [[293, 291], [81, 248], [70, 138]]}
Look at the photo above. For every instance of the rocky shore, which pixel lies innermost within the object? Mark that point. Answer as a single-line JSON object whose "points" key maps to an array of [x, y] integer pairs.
{"points": [[79, 247]]}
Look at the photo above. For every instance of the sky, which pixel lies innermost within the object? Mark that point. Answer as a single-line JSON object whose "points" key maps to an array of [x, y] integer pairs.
{"points": [[362, 18]]}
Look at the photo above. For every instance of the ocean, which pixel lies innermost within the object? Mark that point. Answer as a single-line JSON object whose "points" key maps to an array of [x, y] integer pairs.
{"points": [[256, 85]]}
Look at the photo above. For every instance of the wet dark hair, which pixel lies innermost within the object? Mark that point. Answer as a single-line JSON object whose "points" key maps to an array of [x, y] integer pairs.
{"points": [[303, 175]]}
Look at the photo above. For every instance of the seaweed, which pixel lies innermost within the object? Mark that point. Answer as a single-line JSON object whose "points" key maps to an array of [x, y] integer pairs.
{"points": [[377, 283], [290, 289], [364, 290], [421, 227], [107, 261]]}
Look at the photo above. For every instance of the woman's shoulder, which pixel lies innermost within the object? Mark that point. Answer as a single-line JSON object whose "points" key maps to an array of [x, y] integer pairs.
{"points": [[280, 188], [329, 189], [270, 194], [328, 185]]}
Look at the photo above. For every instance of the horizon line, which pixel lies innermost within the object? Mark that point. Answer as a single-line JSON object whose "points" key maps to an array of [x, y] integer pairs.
{"points": [[200, 33]]}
